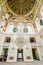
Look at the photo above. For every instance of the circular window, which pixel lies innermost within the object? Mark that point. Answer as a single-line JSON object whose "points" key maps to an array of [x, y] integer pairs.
{"points": [[25, 30], [15, 29]]}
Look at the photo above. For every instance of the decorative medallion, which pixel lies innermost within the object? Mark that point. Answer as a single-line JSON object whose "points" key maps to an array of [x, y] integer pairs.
{"points": [[25, 30], [41, 22], [15, 29]]}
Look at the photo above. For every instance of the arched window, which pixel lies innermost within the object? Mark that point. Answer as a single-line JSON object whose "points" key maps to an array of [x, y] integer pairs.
{"points": [[7, 39]]}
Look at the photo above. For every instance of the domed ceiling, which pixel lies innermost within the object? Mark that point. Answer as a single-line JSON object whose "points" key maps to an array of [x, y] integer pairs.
{"points": [[21, 7]]}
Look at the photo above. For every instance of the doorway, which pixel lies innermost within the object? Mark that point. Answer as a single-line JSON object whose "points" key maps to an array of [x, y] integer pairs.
{"points": [[4, 54], [20, 55], [35, 54]]}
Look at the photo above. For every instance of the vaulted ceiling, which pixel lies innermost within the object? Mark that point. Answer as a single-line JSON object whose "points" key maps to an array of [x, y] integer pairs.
{"points": [[21, 7]]}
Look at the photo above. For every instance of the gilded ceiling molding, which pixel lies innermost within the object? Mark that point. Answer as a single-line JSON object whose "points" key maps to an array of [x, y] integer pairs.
{"points": [[11, 10], [23, 14]]}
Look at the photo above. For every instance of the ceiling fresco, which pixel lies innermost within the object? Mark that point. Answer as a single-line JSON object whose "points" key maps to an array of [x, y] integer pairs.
{"points": [[21, 7]]}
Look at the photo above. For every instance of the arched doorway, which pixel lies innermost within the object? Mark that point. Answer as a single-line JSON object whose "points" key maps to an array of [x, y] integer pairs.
{"points": [[20, 42], [20, 55]]}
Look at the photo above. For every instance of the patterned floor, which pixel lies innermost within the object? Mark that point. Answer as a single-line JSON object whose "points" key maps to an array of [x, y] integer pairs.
{"points": [[23, 63]]}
